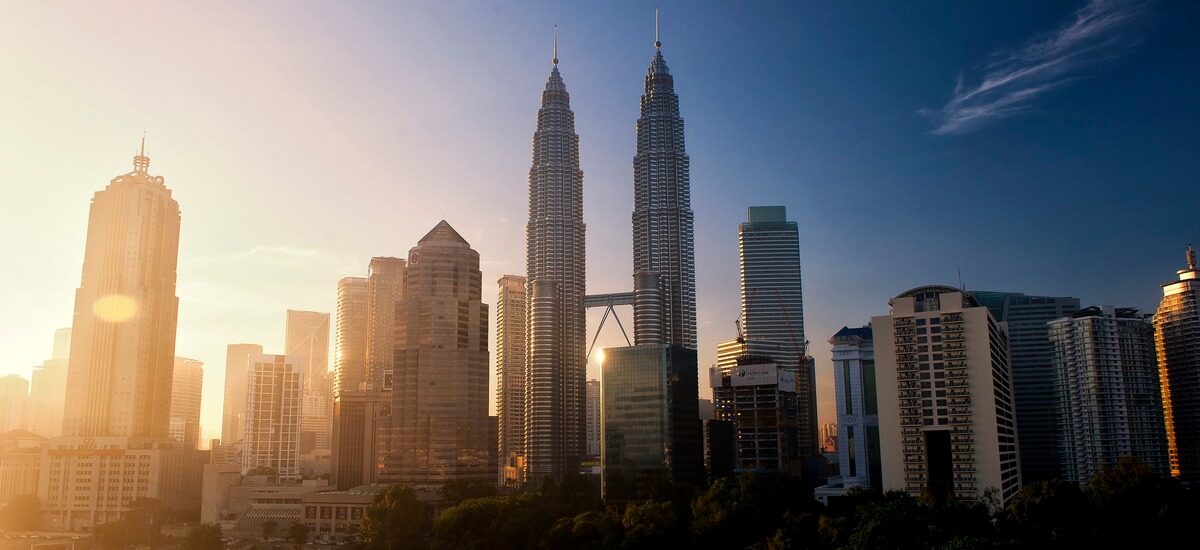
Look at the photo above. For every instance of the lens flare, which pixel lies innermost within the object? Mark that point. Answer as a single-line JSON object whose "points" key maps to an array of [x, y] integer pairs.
{"points": [[115, 308], [600, 356]]}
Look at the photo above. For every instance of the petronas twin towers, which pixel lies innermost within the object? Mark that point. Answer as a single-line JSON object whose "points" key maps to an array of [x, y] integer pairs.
{"points": [[555, 356]]}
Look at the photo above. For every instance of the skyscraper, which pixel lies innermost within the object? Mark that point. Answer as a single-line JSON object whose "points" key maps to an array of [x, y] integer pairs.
{"points": [[650, 429], [1107, 389], [48, 388], [350, 339], [1033, 374], [944, 384], [271, 433], [1177, 336], [237, 369], [385, 286], [440, 375], [187, 383], [510, 380], [556, 369], [355, 409], [856, 404], [773, 310], [123, 331], [118, 406], [663, 222], [307, 339], [14, 403]]}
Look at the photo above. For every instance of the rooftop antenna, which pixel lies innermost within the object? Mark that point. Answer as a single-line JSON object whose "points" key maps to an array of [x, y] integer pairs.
{"points": [[140, 162], [555, 57], [960, 283], [1191, 257], [657, 42]]}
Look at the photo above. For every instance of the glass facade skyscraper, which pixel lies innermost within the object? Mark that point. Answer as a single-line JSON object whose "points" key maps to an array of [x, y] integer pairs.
{"points": [[650, 420], [1033, 374], [1177, 336]]}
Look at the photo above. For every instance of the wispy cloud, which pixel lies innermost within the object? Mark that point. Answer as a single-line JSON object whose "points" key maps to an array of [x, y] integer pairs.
{"points": [[1008, 85]]}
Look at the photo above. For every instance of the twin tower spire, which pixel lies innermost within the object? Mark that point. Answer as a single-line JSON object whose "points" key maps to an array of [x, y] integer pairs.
{"points": [[555, 363]]}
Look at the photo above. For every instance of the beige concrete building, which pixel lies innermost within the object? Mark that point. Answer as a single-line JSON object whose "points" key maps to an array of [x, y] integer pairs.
{"points": [[48, 388], [20, 463], [233, 418], [510, 379], [337, 515], [89, 480], [125, 311], [350, 336], [187, 383], [944, 386], [14, 403], [271, 434]]}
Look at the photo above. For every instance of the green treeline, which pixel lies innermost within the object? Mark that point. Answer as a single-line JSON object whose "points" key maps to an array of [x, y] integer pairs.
{"points": [[1123, 506]]}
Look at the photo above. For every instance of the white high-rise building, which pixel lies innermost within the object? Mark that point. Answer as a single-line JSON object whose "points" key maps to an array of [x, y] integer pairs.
{"points": [[944, 384], [271, 433], [857, 408], [1109, 405], [48, 388]]}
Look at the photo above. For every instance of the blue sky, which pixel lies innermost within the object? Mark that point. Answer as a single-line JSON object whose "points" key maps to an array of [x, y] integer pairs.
{"points": [[1039, 147]]}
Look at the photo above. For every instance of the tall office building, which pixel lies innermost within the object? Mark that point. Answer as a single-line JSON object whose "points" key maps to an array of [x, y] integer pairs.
{"points": [[187, 383], [237, 371], [856, 404], [650, 429], [1177, 336], [773, 310], [663, 222], [556, 365], [1033, 374], [355, 411], [944, 385], [14, 403], [307, 339], [271, 432], [510, 380], [1108, 401], [440, 376], [385, 286], [123, 331], [350, 338], [48, 388], [118, 405]]}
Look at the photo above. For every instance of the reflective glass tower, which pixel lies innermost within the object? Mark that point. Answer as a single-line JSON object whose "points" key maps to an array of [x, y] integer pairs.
{"points": [[1177, 336], [556, 368], [663, 242]]}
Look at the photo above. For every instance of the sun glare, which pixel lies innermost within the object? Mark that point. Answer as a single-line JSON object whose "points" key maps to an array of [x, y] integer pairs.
{"points": [[115, 308]]}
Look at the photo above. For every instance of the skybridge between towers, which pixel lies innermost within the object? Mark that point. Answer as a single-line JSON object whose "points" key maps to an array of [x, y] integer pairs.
{"points": [[608, 301]]}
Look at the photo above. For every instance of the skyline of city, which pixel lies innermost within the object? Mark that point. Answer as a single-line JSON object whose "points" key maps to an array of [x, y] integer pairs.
{"points": [[850, 271]]}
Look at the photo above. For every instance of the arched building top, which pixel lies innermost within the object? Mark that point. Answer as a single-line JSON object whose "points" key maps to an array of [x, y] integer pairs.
{"points": [[928, 298]]}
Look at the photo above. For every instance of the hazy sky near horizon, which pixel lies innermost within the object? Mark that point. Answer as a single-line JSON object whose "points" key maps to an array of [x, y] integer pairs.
{"points": [[1041, 147]]}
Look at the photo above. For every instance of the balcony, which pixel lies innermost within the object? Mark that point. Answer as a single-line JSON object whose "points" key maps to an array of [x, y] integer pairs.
{"points": [[906, 349], [906, 340], [964, 489], [960, 401], [959, 411], [957, 383], [965, 449], [958, 393], [907, 376], [955, 364], [962, 431], [909, 403], [956, 355], [906, 358], [904, 322], [910, 412], [951, 328], [913, 385], [954, 347], [958, 469], [909, 394], [915, 469], [964, 479], [914, 478], [910, 431], [962, 439], [912, 421], [912, 441], [952, 318], [906, 368], [956, 374], [960, 420], [909, 449], [964, 459], [952, 337], [905, 332]]}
